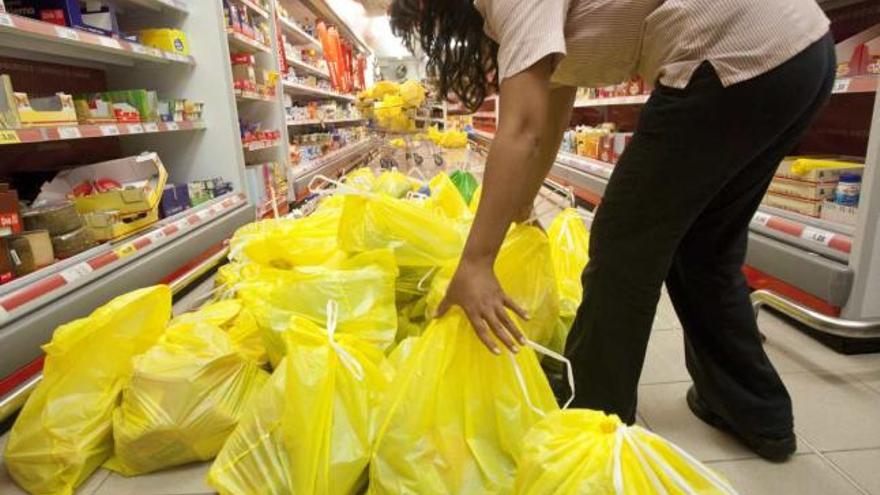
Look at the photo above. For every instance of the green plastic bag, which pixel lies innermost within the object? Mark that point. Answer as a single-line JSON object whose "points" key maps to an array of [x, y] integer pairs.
{"points": [[64, 432], [466, 183], [312, 427]]}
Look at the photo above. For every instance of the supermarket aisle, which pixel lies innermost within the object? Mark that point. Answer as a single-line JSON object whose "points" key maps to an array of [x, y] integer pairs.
{"points": [[836, 399]]}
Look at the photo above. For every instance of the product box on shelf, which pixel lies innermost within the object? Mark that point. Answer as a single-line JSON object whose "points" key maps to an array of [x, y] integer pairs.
{"points": [[8, 104], [57, 219], [135, 105], [837, 213], [802, 189], [94, 108], [811, 208], [97, 16], [140, 180], [45, 111], [7, 267], [108, 225], [169, 40], [859, 54], [72, 243], [10, 216], [31, 250], [175, 199]]}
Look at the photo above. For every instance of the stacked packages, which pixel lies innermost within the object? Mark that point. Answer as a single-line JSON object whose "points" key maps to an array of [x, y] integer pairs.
{"points": [[367, 388]]}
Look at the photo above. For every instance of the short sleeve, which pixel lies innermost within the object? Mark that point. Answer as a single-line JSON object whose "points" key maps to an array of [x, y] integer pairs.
{"points": [[525, 30]]}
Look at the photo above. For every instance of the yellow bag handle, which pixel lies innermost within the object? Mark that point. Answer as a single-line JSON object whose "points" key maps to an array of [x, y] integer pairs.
{"points": [[522, 382], [345, 357]]}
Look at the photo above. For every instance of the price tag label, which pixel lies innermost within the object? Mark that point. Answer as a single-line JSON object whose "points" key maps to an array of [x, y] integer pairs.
{"points": [[110, 42], [203, 214], [109, 130], [821, 236], [135, 129], [5, 20], [143, 50], [69, 133], [761, 218], [172, 126], [157, 235], [151, 127], [66, 33], [841, 85], [125, 251], [176, 57], [4, 315], [76, 272], [9, 137]]}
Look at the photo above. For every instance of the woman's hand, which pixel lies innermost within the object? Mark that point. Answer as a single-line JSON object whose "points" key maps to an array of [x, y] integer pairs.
{"points": [[476, 290]]}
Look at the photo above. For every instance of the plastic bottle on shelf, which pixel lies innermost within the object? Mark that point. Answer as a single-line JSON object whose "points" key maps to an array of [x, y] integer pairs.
{"points": [[848, 188]]}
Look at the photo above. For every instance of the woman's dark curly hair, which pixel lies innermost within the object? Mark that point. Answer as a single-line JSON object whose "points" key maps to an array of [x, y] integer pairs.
{"points": [[450, 32]]}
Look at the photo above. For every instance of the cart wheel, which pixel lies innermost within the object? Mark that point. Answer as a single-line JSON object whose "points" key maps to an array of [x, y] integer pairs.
{"points": [[438, 160]]}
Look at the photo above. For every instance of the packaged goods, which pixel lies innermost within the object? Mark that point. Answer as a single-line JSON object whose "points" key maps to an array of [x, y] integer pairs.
{"points": [[169, 40], [184, 398], [58, 219], [419, 237], [93, 108], [525, 271], [32, 251], [581, 451], [109, 225], [45, 111], [10, 217], [7, 266], [72, 243], [175, 199], [310, 430], [569, 250], [63, 433], [848, 189], [455, 415], [362, 284]]}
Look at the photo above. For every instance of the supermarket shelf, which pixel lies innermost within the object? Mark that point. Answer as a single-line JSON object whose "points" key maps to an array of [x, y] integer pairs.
{"points": [[73, 288], [618, 100], [265, 210], [294, 123], [303, 90], [327, 165], [485, 115], [31, 35], [178, 6], [299, 36], [856, 84], [323, 8], [310, 69], [242, 42], [260, 11], [251, 96], [816, 240], [261, 145], [72, 132], [826, 279], [839, 228]]}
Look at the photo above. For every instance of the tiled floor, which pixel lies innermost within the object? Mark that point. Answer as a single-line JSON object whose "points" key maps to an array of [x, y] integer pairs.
{"points": [[837, 414]]}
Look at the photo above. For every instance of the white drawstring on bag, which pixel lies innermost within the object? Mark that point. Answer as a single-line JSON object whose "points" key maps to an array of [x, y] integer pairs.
{"points": [[347, 359], [522, 382]]}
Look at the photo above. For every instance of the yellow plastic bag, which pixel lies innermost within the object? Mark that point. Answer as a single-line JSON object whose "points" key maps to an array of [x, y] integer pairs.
{"points": [[382, 88], [310, 431], [63, 433], [525, 272], [238, 322], [413, 93], [455, 416], [362, 284], [446, 198], [286, 243], [581, 451], [362, 178], [569, 249], [185, 397], [475, 200], [394, 184], [419, 237]]}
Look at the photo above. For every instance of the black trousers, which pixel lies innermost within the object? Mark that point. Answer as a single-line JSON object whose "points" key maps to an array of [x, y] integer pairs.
{"points": [[677, 209]]}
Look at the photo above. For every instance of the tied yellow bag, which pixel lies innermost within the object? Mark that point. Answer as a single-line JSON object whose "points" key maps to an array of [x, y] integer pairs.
{"points": [[394, 184], [310, 430], [446, 198], [419, 237], [239, 324], [362, 284], [569, 249], [525, 272], [455, 415], [581, 451], [63, 433], [184, 399], [362, 179]]}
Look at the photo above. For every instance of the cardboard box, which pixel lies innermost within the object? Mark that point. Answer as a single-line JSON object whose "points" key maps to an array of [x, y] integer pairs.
{"points": [[169, 40], [111, 225], [10, 216], [816, 169], [57, 219], [145, 103], [48, 111], [143, 178], [812, 208], [94, 108], [8, 104], [31, 251], [175, 199], [72, 243], [802, 189]]}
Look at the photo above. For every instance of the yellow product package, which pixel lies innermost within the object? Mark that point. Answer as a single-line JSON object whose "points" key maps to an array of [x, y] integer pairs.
{"points": [[419, 237], [64, 431], [455, 416], [569, 249], [238, 322], [184, 398], [446, 198], [525, 272], [310, 432], [362, 284], [394, 184], [581, 451]]}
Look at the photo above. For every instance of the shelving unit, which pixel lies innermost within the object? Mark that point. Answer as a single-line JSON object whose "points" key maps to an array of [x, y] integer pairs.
{"points": [[308, 69], [304, 123], [308, 91], [241, 42], [299, 36]]}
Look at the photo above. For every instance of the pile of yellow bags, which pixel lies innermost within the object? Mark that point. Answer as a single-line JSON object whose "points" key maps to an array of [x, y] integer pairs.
{"points": [[367, 389], [450, 139], [391, 104]]}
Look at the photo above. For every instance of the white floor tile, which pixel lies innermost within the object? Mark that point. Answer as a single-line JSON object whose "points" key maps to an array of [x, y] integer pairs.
{"points": [[804, 474], [835, 412], [862, 466], [183, 480], [664, 362]]}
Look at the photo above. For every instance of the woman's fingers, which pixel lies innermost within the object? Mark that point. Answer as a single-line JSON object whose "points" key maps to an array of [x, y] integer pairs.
{"points": [[510, 326], [499, 329], [482, 330], [513, 306]]}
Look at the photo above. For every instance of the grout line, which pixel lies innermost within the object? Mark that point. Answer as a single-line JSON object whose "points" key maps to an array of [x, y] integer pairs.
{"points": [[754, 457], [834, 467]]}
